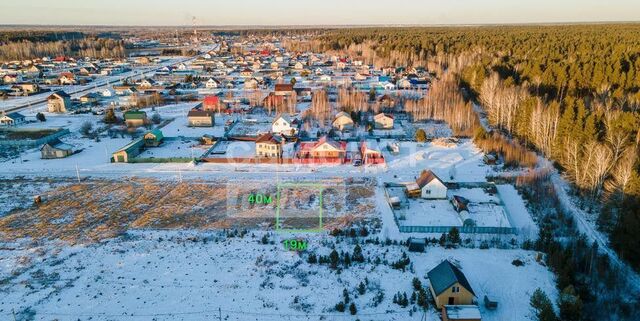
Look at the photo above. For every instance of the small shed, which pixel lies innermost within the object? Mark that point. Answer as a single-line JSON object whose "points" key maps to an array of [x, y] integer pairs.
{"points": [[460, 203], [417, 244], [129, 151], [461, 313]]}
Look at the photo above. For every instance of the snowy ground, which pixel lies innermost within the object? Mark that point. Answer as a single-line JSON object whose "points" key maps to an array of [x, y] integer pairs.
{"points": [[167, 275], [175, 148]]}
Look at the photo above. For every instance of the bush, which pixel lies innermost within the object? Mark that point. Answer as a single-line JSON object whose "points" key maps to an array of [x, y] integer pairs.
{"points": [[40, 117], [421, 136], [156, 119], [340, 307], [86, 128]]}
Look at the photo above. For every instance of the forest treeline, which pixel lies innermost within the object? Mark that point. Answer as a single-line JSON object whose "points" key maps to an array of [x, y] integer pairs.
{"points": [[569, 92], [30, 45]]}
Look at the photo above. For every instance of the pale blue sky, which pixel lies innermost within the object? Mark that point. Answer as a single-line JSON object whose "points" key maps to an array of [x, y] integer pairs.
{"points": [[322, 12]]}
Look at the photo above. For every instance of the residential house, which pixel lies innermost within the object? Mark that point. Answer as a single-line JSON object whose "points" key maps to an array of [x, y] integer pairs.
{"points": [[89, 99], [135, 118], [200, 118], [323, 148], [212, 84], [25, 88], [461, 313], [284, 125], [59, 102], [298, 66], [11, 79], [284, 90], [251, 83], [67, 78], [246, 72], [342, 121], [269, 145], [124, 90], [449, 286], [431, 186], [153, 138], [211, 103], [107, 93], [55, 149], [11, 119], [369, 154], [383, 121]]}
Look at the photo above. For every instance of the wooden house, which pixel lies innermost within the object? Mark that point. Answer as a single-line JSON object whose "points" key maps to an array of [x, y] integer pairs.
{"points": [[11, 119], [200, 118], [449, 286], [383, 121], [55, 149], [153, 138], [59, 102], [135, 118], [342, 121]]}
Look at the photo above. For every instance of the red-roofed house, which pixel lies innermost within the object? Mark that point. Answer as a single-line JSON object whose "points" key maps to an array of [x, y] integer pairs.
{"points": [[324, 148], [211, 103]]}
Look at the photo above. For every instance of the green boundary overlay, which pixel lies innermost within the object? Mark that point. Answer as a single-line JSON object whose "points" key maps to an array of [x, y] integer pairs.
{"points": [[281, 186]]}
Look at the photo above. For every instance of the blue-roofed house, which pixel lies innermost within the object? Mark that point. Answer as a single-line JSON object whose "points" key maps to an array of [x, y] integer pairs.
{"points": [[449, 286]]}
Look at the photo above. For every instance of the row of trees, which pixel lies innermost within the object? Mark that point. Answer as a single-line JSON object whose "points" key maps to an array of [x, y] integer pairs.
{"points": [[89, 47]]}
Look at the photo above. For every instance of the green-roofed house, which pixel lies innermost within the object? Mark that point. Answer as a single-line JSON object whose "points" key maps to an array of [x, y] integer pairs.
{"points": [[135, 118], [129, 151], [449, 286], [153, 138]]}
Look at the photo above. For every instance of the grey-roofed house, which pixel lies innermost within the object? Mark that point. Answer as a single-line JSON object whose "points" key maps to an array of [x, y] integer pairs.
{"points": [[55, 149], [449, 286]]}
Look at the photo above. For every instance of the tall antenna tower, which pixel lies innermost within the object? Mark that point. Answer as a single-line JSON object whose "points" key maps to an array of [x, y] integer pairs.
{"points": [[195, 31]]}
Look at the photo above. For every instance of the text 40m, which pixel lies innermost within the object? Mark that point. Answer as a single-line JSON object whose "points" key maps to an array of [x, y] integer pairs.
{"points": [[260, 199]]}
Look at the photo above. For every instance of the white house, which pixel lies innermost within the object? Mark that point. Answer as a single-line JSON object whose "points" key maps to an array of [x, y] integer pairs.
{"points": [[284, 125], [11, 119], [107, 93], [431, 187], [211, 84], [383, 121]]}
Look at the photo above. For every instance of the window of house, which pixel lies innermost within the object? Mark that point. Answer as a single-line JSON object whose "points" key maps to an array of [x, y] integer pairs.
{"points": [[455, 289]]}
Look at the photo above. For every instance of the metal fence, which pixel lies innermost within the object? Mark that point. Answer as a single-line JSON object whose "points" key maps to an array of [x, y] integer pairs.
{"points": [[462, 229], [34, 142]]}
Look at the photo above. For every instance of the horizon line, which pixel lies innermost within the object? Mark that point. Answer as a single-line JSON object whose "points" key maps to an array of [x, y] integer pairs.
{"points": [[321, 26]]}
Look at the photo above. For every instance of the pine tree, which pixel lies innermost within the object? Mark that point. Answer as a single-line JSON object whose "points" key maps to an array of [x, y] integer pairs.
{"points": [[357, 254], [352, 309], [334, 259], [542, 306]]}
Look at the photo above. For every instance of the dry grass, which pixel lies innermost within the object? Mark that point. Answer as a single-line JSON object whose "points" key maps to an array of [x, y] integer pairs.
{"points": [[100, 209]]}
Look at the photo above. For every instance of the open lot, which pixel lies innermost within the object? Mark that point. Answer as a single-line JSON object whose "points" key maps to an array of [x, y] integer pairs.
{"points": [[190, 275]]}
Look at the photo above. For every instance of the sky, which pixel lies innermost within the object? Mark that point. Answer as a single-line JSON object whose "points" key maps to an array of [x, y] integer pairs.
{"points": [[322, 12]]}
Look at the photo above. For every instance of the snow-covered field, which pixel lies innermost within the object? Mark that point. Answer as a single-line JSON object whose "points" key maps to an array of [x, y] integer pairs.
{"points": [[168, 275]]}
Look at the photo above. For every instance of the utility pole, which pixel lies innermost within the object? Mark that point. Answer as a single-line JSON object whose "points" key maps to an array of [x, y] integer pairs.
{"points": [[78, 173], [219, 314]]}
